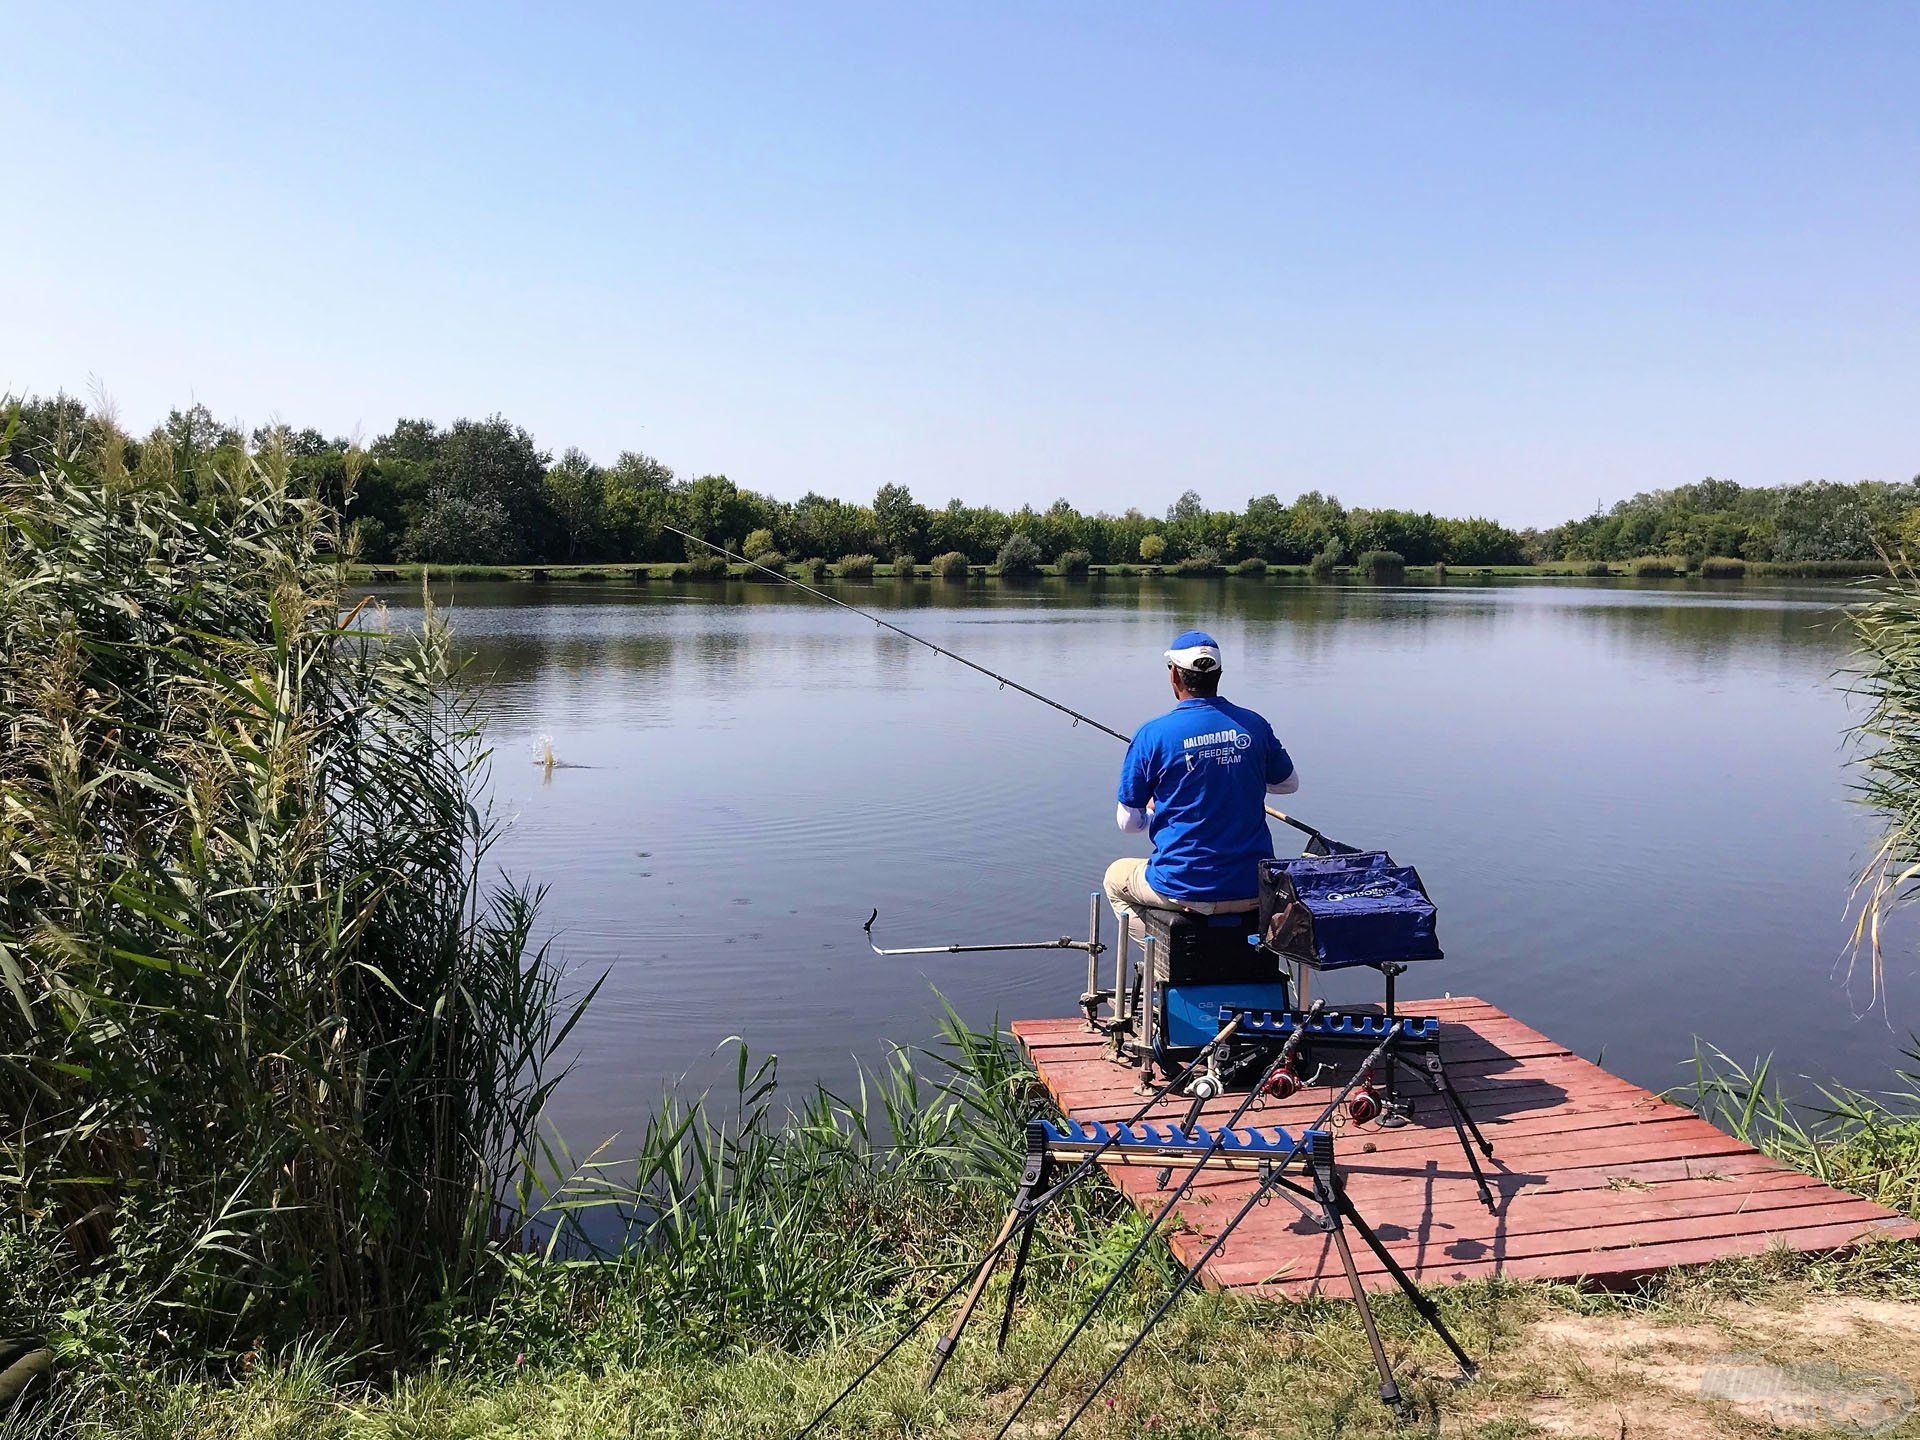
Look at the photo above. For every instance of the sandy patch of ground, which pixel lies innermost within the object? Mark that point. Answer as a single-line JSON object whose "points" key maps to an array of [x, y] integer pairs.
{"points": [[1832, 1364]]}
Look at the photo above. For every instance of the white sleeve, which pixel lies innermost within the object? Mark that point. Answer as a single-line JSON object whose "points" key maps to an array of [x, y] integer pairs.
{"points": [[1130, 818], [1288, 785]]}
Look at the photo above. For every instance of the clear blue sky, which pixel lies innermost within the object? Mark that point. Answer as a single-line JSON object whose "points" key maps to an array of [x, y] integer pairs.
{"points": [[1503, 259]]}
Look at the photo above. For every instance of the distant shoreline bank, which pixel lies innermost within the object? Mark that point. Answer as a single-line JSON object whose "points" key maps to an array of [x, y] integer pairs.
{"points": [[659, 572]]}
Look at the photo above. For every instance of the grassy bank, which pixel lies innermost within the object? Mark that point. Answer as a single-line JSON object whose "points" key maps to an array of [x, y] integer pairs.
{"points": [[664, 573], [771, 1263], [1555, 1362]]}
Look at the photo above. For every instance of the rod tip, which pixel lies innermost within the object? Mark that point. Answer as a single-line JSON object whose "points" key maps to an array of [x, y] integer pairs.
{"points": [[868, 927]]}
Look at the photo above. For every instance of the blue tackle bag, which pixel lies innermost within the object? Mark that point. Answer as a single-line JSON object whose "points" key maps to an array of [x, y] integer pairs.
{"points": [[1333, 911]]}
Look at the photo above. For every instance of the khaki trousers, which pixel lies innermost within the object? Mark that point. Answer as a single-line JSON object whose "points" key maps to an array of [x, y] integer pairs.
{"points": [[1127, 889]]}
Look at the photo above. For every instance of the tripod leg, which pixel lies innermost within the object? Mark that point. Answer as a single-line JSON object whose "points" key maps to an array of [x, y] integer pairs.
{"points": [[1017, 1279], [1389, 1387], [1429, 1312], [1457, 1113], [1473, 1160], [1486, 1145], [943, 1350], [1333, 1205]]}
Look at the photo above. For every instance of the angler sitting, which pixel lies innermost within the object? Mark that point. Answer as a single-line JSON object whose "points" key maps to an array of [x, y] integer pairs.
{"points": [[1196, 780]]}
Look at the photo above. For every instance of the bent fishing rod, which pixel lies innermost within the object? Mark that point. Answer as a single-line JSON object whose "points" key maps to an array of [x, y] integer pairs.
{"points": [[1314, 837]]}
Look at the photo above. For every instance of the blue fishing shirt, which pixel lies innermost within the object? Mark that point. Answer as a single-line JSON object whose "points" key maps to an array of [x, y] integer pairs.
{"points": [[1205, 765]]}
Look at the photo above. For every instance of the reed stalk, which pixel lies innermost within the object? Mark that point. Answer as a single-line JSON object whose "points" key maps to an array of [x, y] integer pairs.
{"points": [[271, 1050], [1886, 677]]}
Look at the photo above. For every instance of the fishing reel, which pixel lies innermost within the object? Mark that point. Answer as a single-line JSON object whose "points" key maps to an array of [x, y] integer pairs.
{"points": [[1366, 1103], [1283, 1084]]}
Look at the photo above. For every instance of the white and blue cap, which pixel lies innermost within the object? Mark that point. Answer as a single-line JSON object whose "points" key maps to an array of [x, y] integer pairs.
{"points": [[1195, 650]]}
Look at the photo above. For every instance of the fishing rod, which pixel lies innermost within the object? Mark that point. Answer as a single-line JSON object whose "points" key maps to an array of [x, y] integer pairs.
{"points": [[976, 1275], [1192, 1174], [1284, 1068], [1317, 843]]}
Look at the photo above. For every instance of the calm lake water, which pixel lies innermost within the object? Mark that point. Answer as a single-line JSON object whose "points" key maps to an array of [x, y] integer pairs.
{"points": [[1628, 802]]}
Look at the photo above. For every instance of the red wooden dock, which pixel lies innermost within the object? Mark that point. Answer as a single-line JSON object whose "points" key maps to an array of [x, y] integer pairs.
{"points": [[1594, 1177]]}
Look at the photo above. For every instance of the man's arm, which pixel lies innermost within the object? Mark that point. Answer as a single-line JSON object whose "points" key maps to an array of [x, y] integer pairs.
{"points": [[1282, 777], [1136, 788]]}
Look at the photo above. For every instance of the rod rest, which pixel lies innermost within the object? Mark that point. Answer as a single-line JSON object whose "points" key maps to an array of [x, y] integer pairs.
{"points": [[1148, 1136], [1333, 1024]]}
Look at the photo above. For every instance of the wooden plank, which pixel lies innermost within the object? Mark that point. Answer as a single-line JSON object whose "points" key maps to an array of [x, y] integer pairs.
{"points": [[1595, 1177], [1544, 1231], [1245, 1260], [1605, 1268]]}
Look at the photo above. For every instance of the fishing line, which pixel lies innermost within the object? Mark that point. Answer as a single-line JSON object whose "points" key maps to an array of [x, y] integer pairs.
{"points": [[1004, 681]]}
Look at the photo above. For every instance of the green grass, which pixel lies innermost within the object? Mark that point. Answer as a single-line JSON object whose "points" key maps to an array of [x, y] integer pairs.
{"points": [[1866, 1143], [769, 1262], [1218, 1368]]}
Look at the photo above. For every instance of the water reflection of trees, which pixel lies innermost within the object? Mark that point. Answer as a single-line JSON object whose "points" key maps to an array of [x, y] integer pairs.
{"points": [[578, 636]]}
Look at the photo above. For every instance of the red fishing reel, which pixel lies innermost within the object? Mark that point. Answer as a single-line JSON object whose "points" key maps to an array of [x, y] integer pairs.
{"points": [[1283, 1084], [1365, 1104]]}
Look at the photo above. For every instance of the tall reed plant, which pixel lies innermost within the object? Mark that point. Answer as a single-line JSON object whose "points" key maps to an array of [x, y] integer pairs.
{"points": [[271, 1048], [1886, 675]]}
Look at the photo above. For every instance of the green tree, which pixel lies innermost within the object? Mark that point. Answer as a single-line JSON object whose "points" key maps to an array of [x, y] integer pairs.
{"points": [[977, 532], [899, 522], [822, 526], [576, 494], [636, 501], [485, 500], [1263, 528], [1316, 524], [1478, 541], [1821, 520], [194, 432], [415, 440], [44, 429], [1020, 555], [1153, 548], [1414, 536], [716, 509], [1116, 539]]}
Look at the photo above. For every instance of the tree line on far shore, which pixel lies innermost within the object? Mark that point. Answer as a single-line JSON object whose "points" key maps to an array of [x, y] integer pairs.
{"points": [[483, 492]]}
